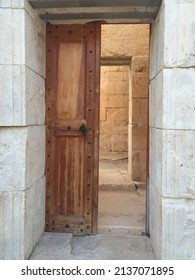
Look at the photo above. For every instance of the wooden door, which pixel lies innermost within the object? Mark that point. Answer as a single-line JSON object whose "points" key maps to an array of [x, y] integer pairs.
{"points": [[72, 119]]}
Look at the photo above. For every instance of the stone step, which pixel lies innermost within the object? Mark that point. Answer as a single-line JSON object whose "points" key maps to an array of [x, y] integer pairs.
{"points": [[120, 231], [125, 187], [64, 246]]}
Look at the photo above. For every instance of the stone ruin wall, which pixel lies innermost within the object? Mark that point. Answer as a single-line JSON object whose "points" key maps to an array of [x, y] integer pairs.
{"points": [[124, 94]]}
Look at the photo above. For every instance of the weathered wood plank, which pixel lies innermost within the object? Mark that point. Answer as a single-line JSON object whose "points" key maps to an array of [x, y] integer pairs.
{"points": [[71, 83]]}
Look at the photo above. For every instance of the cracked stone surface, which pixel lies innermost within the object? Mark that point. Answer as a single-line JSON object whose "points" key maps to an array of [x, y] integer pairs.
{"points": [[63, 246], [53, 246]]}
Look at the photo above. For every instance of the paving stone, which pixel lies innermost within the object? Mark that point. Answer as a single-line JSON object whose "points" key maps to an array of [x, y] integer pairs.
{"points": [[62, 246], [53, 246], [112, 248]]}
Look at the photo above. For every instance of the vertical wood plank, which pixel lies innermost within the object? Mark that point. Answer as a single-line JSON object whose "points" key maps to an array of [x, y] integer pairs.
{"points": [[72, 99]]}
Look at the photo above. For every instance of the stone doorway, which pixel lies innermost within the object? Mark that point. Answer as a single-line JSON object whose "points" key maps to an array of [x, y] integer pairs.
{"points": [[171, 180], [123, 132]]}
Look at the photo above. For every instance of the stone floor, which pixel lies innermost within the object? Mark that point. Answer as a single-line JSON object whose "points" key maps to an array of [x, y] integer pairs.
{"points": [[122, 202], [63, 246], [121, 221], [121, 212]]}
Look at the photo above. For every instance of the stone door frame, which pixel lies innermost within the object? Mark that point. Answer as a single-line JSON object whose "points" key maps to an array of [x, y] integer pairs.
{"points": [[172, 130]]}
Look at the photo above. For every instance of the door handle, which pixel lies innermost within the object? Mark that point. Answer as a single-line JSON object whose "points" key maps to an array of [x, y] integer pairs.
{"points": [[83, 129]]}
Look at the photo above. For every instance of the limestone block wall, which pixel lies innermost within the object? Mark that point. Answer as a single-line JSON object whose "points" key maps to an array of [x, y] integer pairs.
{"points": [[125, 40], [172, 131], [138, 118], [22, 131], [114, 107], [128, 41]]}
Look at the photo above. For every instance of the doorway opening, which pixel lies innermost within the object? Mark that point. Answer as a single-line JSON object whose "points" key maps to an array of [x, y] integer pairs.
{"points": [[72, 122], [123, 129]]}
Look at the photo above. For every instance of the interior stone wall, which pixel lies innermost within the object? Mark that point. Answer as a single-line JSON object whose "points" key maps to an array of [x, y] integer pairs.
{"points": [[22, 131], [172, 131], [138, 118], [114, 107], [127, 41]]}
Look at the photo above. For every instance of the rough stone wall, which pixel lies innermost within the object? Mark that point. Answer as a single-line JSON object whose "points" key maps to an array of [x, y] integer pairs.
{"points": [[22, 132], [172, 131], [138, 118], [114, 104], [127, 41]]}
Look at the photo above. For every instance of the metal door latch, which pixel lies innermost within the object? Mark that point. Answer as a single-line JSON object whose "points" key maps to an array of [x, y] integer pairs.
{"points": [[83, 129]]}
